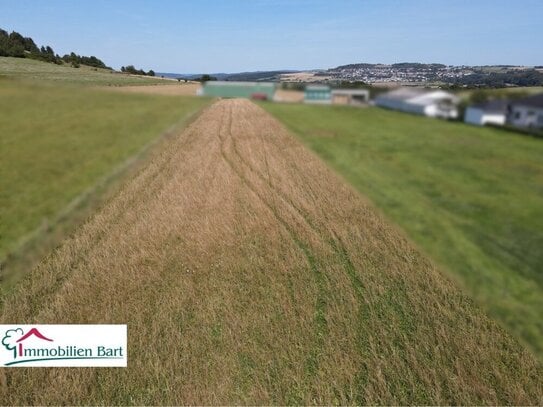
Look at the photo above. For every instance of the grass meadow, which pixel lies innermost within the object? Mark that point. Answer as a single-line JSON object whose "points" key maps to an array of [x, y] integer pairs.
{"points": [[502, 92], [59, 142], [24, 68], [471, 198], [249, 273]]}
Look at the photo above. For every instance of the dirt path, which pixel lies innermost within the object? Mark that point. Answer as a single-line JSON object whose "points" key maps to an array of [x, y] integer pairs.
{"points": [[249, 273]]}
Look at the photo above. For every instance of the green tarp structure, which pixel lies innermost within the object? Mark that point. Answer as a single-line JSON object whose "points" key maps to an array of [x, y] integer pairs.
{"points": [[238, 89]]}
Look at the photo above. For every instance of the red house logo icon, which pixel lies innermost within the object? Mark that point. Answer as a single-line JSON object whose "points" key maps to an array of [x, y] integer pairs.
{"points": [[14, 338]]}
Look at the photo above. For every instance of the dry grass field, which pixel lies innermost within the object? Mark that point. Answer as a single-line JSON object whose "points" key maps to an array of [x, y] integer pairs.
{"points": [[302, 77], [177, 89], [249, 273]]}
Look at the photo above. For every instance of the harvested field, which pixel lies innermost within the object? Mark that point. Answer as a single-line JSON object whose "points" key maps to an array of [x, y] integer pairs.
{"points": [[303, 77], [178, 89], [249, 273]]}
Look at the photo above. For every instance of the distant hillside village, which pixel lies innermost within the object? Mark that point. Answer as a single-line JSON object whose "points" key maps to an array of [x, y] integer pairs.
{"points": [[352, 85], [523, 113], [453, 76]]}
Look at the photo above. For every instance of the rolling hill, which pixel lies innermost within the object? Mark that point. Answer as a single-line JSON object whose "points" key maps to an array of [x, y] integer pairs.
{"points": [[30, 69]]}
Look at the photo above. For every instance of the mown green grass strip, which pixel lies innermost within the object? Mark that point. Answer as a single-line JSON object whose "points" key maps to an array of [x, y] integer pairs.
{"points": [[470, 197], [58, 142]]}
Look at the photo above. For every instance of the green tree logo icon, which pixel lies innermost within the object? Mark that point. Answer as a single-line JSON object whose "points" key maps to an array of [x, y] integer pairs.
{"points": [[10, 339]]}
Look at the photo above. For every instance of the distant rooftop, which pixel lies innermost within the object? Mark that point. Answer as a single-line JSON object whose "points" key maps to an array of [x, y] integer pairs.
{"points": [[530, 101], [403, 93], [318, 87], [350, 92], [234, 83], [493, 106]]}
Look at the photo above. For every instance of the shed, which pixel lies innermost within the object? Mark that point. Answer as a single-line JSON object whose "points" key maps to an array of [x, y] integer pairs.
{"points": [[226, 89], [493, 112], [526, 112], [350, 96], [317, 94]]}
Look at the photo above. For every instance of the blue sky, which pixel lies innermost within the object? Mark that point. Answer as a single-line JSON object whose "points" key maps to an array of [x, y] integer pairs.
{"points": [[246, 35]]}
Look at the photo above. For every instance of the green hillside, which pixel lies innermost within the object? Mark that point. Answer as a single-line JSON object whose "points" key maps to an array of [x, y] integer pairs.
{"points": [[23, 68], [57, 142], [472, 198]]}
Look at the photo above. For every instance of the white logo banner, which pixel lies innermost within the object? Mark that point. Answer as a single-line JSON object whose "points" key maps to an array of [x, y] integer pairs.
{"points": [[63, 345]]}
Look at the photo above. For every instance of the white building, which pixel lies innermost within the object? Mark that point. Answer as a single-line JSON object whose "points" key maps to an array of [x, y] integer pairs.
{"points": [[493, 112], [432, 103], [527, 112]]}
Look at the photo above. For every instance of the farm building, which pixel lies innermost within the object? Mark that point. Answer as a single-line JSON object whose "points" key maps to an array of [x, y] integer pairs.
{"points": [[289, 96], [350, 96], [252, 90], [432, 103], [317, 94], [526, 112], [493, 112]]}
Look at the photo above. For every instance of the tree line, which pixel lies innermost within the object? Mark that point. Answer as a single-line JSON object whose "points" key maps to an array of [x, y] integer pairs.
{"points": [[525, 77], [15, 45], [132, 70]]}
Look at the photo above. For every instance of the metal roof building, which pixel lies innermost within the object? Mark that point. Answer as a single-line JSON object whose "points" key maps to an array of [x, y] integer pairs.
{"points": [[492, 112], [252, 90], [432, 103]]}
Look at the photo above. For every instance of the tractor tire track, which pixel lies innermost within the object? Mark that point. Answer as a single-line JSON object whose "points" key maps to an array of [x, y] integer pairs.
{"points": [[227, 136]]}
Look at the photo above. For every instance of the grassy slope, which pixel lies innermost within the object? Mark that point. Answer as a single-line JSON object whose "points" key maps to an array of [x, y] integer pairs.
{"points": [[249, 273], [502, 92], [471, 197], [56, 142], [23, 68]]}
